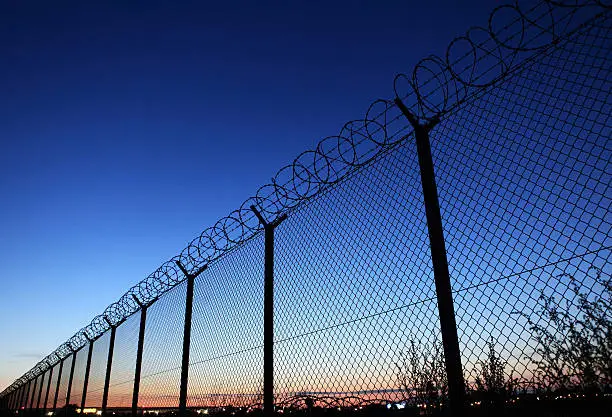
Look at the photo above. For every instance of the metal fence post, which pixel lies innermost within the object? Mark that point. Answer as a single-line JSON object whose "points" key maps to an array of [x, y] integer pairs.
{"points": [[35, 380], [23, 394], [187, 335], [109, 364], [40, 389], [268, 349], [59, 379], [70, 378], [14, 395], [87, 367], [48, 388], [448, 325], [18, 398], [141, 335], [12, 400], [26, 396]]}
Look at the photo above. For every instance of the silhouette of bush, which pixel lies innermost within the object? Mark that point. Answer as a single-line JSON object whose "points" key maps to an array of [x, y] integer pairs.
{"points": [[493, 388], [574, 336], [422, 377]]}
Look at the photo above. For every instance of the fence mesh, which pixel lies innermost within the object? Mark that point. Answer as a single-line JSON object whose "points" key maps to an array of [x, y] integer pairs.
{"points": [[42, 389], [124, 362], [53, 387], [62, 390], [97, 372], [78, 379], [522, 163], [226, 351], [524, 185], [163, 345]]}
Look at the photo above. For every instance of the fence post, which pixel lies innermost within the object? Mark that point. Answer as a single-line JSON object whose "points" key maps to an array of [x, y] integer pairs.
{"points": [[14, 396], [27, 395], [109, 364], [59, 379], [268, 349], [48, 388], [23, 396], [187, 335], [18, 398], [141, 335], [74, 354], [446, 310], [87, 366], [35, 380], [40, 388]]}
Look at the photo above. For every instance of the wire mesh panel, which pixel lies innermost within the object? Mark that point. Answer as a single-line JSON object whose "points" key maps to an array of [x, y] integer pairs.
{"points": [[124, 362], [524, 179], [163, 349], [53, 387], [63, 386], [97, 372], [226, 358], [354, 287], [78, 378], [39, 384], [40, 401], [32, 392]]}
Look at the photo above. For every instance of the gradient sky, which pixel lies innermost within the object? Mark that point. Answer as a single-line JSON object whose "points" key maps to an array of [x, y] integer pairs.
{"points": [[128, 127]]}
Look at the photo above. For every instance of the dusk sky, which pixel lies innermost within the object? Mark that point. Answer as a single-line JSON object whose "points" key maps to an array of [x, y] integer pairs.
{"points": [[126, 128]]}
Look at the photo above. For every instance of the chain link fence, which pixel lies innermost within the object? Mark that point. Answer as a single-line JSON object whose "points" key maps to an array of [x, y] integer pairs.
{"points": [[517, 117]]}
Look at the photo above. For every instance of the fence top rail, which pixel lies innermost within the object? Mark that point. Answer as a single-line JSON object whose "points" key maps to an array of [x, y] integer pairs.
{"points": [[473, 61]]}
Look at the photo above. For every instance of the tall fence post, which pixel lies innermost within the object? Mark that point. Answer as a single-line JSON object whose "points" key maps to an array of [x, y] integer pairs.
{"points": [[48, 388], [87, 367], [31, 398], [14, 396], [137, 369], [446, 310], [268, 349], [40, 389], [18, 398], [109, 364], [24, 395], [59, 380], [27, 395], [187, 335], [71, 377]]}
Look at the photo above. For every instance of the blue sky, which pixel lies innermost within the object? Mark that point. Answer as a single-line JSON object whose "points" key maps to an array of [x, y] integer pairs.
{"points": [[126, 128]]}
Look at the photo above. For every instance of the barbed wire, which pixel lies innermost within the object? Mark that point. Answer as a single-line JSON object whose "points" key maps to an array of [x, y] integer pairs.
{"points": [[436, 86]]}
